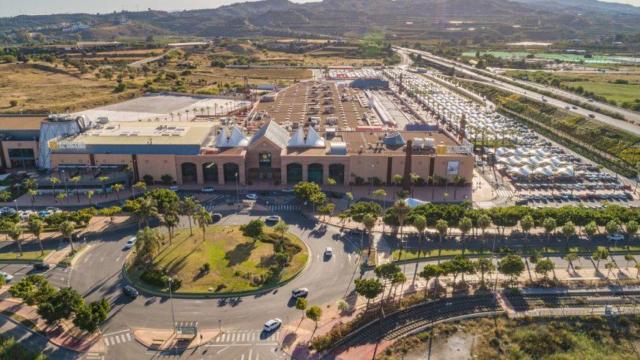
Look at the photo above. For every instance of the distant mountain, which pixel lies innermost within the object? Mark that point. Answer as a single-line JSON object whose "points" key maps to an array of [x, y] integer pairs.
{"points": [[481, 19]]}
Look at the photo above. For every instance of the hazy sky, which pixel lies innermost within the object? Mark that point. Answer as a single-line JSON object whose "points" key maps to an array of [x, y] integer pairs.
{"points": [[34, 7], [37, 7]]}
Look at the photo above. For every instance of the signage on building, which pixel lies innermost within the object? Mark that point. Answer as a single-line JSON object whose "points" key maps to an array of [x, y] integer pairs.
{"points": [[55, 145], [453, 167]]}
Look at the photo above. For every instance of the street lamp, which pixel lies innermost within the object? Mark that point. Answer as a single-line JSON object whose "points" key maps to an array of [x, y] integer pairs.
{"points": [[15, 202], [173, 313]]}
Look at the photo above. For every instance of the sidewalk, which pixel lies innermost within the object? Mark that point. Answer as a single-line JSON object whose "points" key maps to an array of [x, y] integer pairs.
{"points": [[62, 335], [165, 339]]}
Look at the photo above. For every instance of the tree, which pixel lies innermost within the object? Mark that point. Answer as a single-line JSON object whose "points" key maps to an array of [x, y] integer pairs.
{"points": [[62, 305], [612, 227], [600, 254], [544, 267], [89, 317], [526, 223], [369, 288], [387, 272], [549, 225], [568, 230], [483, 266], [147, 244], [117, 187], [368, 221], [442, 227], [54, 181], [398, 279], [103, 181], [464, 226], [632, 228], [67, 228], [188, 208], [75, 181], [143, 208], [32, 193], [171, 220], [253, 229], [140, 185], [301, 304], [110, 212], [15, 233], [90, 195], [590, 229], [402, 211], [484, 221], [281, 227], [32, 289], [430, 271], [570, 258], [511, 265], [314, 313], [203, 218], [36, 226]]}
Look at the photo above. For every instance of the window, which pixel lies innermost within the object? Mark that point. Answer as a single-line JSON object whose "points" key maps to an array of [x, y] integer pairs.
{"points": [[25, 154], [264, 160]]}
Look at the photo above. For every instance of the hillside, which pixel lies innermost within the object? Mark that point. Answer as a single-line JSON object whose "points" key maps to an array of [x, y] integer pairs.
{"points": [[453, 19]]}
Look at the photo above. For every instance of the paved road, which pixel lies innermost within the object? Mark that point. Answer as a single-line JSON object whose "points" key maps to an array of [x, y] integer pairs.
{"points": [[32, 341], [97, 274], [470, 71]]}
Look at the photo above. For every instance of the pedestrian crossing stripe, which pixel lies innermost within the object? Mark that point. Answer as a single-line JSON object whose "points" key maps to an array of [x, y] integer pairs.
{"points": [[243, 336], [117, 339], [94, 356], [286, 207]]}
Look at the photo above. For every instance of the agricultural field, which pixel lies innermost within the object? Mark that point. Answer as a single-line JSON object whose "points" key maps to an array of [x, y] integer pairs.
{"points": [[570, 58], [42, 88], [621, 88]]}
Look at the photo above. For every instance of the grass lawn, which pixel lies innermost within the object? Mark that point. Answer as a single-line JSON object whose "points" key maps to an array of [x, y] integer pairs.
{"points": [[237, 261], [27, 255], [620, 93]]}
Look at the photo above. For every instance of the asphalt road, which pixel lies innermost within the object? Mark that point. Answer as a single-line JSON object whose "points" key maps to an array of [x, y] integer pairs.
{"points": [[32, 341], [470, 71], [97, 274]]}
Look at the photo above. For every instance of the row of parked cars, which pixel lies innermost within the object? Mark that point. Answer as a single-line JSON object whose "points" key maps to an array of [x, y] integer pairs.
{"points": [[25, 214], [560, 198]]}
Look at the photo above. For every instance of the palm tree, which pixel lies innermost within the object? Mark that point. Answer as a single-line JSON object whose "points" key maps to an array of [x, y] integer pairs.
{"points": [[171, 220], [464, 226], [15, 233], [67, 228], [442, 227], [117, 187], [402, 211], [54, 181], [75, 180], [90, 195], [188, 208], [281, 227], [36, 225], [568, 230], [526, 224], [203, 218], [549, 225], [140, 185], [570, 258], [103, 180], [145, 209], [590, 229], [32, 193], [369, 221], [484, 221]]}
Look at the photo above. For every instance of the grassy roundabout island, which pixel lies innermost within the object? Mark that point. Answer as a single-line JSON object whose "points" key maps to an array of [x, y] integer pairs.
{"points": [[226, 260]]}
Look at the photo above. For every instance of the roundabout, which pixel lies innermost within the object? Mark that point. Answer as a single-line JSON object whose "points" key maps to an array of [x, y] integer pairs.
{"points": [[98, 273], [224, 260]]}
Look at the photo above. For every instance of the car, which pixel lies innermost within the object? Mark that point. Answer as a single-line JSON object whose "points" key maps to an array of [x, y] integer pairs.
{"points": [[53, 210], [592, 116], [130, 243], [130, 291], [328, 252], [207, 189], [7, 277], [44, 213], [174, 187], [615, 237], [252, 196], [42, 266], [8, 211], [272, 324], [215, 217], [299, 292], [287, 190], [272, 219]]}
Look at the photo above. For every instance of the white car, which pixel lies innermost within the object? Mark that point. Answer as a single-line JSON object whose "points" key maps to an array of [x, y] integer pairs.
{"points": [[174, 187], [7, 277], [328, 252], [299, 292], [615, 237], [207, 189], [130, 243], [273, 219], [252, 196], [272, 324]]}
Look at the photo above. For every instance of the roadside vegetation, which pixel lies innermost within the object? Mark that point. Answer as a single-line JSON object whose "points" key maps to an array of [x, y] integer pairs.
{"points": [[587, 338], [10, 349]]}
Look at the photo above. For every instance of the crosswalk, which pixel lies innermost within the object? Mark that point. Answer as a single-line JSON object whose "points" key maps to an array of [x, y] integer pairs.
{"points": [[284, 207], [239, 337], [93, 356], [117, 338]]}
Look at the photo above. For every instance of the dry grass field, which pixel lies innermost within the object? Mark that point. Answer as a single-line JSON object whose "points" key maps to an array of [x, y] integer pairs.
{"points": [[43, 89]]}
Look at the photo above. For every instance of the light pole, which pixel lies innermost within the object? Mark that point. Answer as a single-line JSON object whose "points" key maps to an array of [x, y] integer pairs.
{"points": [[15, 202], [173, 314]]}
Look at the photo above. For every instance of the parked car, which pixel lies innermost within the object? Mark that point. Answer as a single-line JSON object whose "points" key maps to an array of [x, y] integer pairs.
{"points": [[216, 217], [272, 324], [53, 210], [207, 189], [130, 243], [7, 277], [174, 187], [130, 291], [252, 196], [615, 237], [299, 292], [272, 219]]}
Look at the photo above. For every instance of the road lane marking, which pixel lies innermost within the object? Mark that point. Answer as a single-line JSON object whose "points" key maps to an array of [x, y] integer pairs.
{"points": [[250, 353], [223, 349], [116, 332]]}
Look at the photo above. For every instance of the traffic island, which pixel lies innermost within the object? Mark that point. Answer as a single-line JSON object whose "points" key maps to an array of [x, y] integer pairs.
{"points": [[165, 339], [222, 261]]}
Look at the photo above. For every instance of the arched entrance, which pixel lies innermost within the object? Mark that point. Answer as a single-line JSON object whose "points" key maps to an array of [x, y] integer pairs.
{"points": [[294, 173], [189, 173], [230, 170], [210, 172], [315, 173], [336, 172]]}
